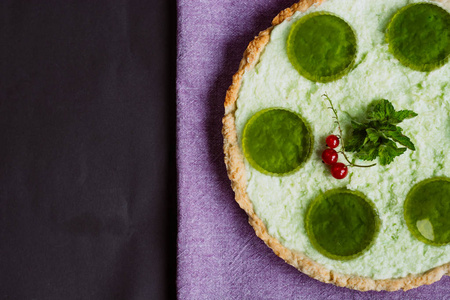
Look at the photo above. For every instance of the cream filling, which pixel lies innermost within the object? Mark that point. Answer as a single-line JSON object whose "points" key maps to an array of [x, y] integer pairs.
{"points": [[281, 201]]}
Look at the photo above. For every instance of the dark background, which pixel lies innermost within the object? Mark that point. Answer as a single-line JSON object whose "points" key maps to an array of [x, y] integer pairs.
{"points": [[87, 149]]}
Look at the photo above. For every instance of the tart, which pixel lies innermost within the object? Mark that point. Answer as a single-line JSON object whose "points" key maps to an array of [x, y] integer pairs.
{"points": [[379, 228]]}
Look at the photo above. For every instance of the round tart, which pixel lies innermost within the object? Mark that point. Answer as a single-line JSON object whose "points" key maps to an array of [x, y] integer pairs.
{"points": [[380, 228]]}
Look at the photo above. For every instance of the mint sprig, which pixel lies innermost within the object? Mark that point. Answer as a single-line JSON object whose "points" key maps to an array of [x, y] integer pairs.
{"points": [[379, 135]]}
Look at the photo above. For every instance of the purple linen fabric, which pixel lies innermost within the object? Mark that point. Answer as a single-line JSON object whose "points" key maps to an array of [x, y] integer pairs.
{"points": [[219, 255]]}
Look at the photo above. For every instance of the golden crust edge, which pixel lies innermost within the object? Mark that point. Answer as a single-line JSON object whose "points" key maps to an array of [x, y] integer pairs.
{"points": [[234, 161]]}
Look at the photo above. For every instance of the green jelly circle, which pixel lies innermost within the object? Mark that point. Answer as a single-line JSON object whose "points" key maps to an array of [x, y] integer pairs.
{"points": [[427, 211], [419, 36], [322, 47], [276, 141], [341, 224]]}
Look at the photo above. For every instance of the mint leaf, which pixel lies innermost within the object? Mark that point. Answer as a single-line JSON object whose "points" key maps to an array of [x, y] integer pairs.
{"points": [[401, 115], [373, 134], [398, 137], [368, 152], [387, 152], [356, 141], [383, 110], [389, 127]]}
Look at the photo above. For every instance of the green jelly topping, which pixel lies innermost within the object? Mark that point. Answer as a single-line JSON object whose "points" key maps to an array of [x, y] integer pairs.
{"points": [[322, 47], [419, 36], [341, 224], [427, 211], [276, 141]]}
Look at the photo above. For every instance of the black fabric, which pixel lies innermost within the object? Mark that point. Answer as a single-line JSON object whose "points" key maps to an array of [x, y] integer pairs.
{"points": [[87, 171]]}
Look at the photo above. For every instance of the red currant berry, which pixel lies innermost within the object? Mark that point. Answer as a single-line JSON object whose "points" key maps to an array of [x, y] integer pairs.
{"points": [[329, 156], [332, 141], [339, 170]]}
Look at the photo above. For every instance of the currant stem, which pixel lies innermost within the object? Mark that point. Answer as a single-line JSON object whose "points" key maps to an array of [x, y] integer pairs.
{"points": [[341, 136], [353, 164]]}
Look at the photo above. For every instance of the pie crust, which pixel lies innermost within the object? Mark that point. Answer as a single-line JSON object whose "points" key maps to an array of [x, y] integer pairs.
{"points": [[234, 160]]}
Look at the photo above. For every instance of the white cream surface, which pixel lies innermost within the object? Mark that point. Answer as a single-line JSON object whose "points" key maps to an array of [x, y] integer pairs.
{"points": [[281, 202]]}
